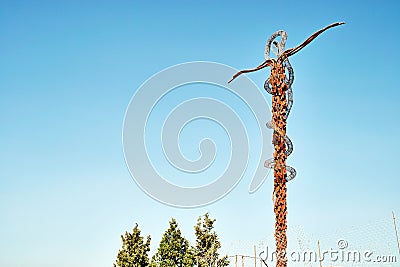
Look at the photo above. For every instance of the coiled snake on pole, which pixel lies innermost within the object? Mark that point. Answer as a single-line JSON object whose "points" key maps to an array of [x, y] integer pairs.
{"points": [[279, 85], [283, 58], [269, 163]]}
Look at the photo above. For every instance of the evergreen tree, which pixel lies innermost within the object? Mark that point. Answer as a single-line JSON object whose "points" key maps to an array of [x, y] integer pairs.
{"points": [[134, 252], [174, 249], [208, 244]]}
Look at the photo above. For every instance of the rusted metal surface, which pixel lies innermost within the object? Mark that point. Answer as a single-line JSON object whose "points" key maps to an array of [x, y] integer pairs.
{"points": [[279, 109], [279, 86]]}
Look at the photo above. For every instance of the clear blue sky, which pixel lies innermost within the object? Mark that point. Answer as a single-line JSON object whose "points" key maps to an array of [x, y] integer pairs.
{"points": [[68, 70]]}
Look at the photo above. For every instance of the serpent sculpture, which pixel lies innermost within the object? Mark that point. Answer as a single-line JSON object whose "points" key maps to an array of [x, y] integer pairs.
{"points": [[269, 163], [279, 85]]}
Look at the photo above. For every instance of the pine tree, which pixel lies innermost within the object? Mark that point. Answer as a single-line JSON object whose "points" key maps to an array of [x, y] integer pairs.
{"points": [[134, 252], [174, 249], [208, 244]]}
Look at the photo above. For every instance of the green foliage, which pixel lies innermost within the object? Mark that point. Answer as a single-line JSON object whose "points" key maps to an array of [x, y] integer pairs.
{"points": [[134, 252], [208, 244], [174, 249]]}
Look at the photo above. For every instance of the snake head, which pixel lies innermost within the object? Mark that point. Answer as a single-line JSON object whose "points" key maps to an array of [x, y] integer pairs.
{"points": [[276, 44]]}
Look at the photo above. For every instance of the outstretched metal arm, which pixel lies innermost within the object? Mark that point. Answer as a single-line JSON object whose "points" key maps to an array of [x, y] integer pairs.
{"points": [[288, 52], [263, 65], [296, 49]]}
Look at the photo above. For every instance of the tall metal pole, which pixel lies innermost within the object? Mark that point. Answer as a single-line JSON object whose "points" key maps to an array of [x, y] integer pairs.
{"points": [[255, 257], [279, 108], [319, 254], [397, 234], [280, 87]]}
